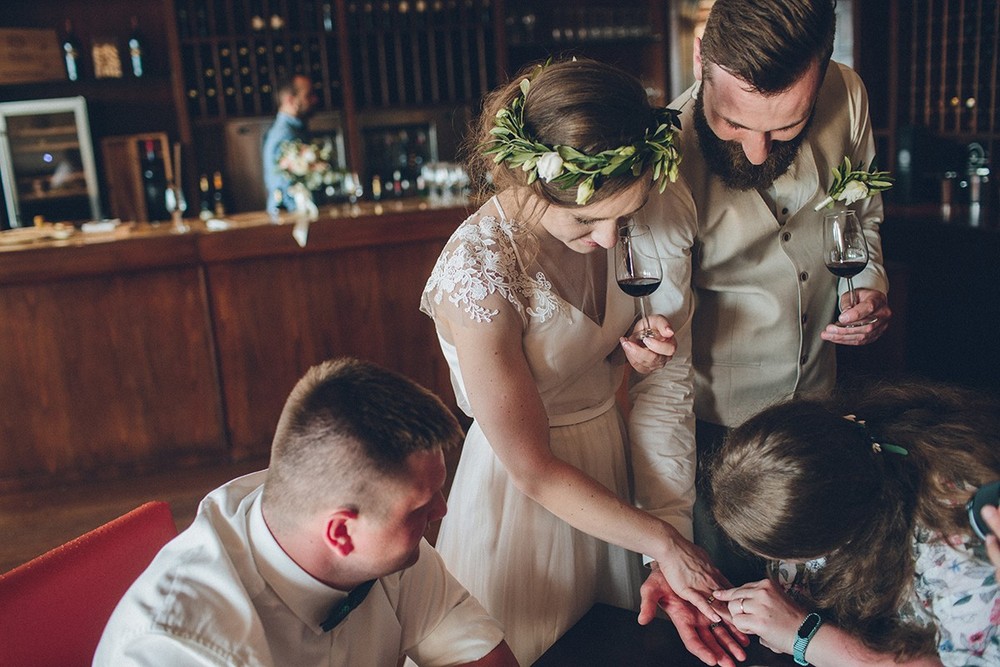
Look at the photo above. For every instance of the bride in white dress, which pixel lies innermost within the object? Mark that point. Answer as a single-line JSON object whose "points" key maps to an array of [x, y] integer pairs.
{"points": [[536, 332]]}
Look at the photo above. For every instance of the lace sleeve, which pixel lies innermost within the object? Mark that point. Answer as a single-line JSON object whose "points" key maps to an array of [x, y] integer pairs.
{"points": [[478, 272]]}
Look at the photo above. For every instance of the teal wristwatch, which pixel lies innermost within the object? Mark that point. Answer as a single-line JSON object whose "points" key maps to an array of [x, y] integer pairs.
{"points": [[805, 633]]}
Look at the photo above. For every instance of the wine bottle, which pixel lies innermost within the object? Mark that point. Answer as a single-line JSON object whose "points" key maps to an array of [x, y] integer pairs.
{"points": [[218, 196], [154, 181], [136, 52], [204, 198], [72, 53]]}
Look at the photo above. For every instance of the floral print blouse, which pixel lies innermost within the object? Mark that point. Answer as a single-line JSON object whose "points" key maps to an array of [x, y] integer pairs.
{"points": [[954, 588]]}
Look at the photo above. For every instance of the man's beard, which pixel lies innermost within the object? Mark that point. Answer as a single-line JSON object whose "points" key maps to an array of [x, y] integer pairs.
{"points": [[727, 160]]}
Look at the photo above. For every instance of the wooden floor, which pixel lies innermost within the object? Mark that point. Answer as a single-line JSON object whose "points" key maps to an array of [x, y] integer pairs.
{"points": [[33, 522]]}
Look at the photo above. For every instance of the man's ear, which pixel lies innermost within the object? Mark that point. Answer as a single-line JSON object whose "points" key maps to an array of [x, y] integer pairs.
{"points": [[338, 531], [697, 58]]}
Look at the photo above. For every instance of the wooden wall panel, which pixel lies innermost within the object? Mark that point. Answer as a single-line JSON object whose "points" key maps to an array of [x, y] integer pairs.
{"points": [[99, 373], [278, 316], [142, 348]]}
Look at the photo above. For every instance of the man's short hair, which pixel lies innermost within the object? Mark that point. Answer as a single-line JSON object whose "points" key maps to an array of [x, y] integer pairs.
{"points": [[347, 425], [286, 86], [768, 43]]}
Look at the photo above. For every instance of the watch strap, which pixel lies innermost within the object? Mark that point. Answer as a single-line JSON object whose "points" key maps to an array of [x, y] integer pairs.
{"points": [[802, 640]]}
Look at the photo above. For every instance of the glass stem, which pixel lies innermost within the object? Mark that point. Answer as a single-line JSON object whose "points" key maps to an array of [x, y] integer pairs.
{"points": [[644, 332], [854, 295]]}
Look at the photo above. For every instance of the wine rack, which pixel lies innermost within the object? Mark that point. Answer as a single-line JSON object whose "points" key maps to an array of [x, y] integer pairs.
{"points": [[950, 74], [402, 52], [630, 35], [234, 53], [421, 52]]}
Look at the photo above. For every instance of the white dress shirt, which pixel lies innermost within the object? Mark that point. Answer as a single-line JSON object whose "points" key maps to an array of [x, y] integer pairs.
{"points": [[224, 593]]}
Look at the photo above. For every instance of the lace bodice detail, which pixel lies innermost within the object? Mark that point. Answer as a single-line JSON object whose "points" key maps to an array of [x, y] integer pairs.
{"points": [[480, 260]]}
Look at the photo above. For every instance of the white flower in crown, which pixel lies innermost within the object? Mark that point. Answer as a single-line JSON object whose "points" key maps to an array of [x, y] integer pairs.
{"points": [[851, 185], [584, 191], [549, 166]]}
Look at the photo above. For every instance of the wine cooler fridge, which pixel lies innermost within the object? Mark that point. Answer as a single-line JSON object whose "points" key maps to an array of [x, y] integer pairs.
{"points": [[47, 164]]}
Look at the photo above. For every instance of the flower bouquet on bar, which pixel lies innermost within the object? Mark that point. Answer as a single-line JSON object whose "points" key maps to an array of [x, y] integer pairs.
{"points": [[307, 167]]}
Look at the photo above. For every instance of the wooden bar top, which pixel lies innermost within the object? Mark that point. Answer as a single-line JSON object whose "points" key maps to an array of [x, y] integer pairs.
{"points": [[135, 246]]}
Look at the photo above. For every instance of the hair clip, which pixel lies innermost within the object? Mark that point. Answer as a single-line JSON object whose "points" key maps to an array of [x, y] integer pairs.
{"points": [[895, 449], [877, 447]]}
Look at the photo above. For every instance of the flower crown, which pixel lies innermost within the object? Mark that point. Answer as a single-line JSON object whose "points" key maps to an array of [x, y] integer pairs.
{"points": [[565, 166]]}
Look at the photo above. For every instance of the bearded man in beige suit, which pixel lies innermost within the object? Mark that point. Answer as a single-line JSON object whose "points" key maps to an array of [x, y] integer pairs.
{"points": [[768, 118]]}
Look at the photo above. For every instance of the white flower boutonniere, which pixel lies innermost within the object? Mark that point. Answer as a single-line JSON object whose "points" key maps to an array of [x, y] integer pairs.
{"points": [[851, 185]]}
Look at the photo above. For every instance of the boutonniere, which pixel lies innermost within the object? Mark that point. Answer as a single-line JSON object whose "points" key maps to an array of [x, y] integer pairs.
{"points": [[850, 185]]}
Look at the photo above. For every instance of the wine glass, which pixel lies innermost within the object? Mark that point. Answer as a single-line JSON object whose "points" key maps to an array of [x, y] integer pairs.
{"points": [[637, 267], [176, 204], [353, 187], [845, 252]]}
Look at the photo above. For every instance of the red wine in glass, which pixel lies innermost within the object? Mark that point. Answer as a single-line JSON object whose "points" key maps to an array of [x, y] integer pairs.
{"points": [[845, 252], [847, 269], [637, 267], [638, 287]]}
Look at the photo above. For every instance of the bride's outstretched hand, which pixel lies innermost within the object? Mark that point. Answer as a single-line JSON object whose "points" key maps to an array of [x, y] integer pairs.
{"points": [[651, 353], [712, 643], [691, 575]]}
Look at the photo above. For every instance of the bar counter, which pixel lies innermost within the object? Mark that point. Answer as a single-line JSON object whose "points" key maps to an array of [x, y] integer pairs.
{"points": [[141, 348]]}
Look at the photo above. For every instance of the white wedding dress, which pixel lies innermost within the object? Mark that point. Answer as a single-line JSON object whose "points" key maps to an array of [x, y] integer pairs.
{"points": [[529, 569]]}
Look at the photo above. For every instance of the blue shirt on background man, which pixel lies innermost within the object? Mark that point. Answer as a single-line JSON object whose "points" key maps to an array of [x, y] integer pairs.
{"points": [[286, 127], [296, 101]]}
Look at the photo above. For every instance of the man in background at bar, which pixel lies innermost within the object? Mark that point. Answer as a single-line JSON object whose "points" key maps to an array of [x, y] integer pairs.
{"points": [[296, 101], [768, 119], [320, 559]]}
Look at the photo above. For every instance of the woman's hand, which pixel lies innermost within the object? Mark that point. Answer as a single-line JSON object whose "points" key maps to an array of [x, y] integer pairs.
{"points": [[762, 608], [689, 573], [653, 352]]}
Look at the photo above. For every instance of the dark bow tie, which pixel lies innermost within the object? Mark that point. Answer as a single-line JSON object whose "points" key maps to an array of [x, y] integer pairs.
{"points": [[344, 607]]}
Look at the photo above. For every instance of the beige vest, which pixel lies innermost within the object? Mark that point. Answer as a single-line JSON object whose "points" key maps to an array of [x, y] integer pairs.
{"points": [[763, 293]]}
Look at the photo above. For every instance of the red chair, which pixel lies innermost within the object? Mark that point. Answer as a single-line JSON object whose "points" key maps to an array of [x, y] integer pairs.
{"points": [[53, 608]]}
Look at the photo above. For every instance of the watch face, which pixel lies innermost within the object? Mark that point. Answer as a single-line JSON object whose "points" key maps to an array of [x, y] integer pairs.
{"points": [[808, 625], [986, 495]]}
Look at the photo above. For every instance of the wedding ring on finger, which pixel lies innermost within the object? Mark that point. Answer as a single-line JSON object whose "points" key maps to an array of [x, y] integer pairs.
{"points": [[742, 610], [710, 600]]}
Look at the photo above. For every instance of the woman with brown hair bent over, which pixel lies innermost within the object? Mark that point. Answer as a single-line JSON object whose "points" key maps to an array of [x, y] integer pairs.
{"points": [[862, 506]]}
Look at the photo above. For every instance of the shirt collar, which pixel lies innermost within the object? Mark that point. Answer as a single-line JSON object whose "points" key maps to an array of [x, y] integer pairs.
{"points": [[289, 119], [307, 597], [800, 185]]}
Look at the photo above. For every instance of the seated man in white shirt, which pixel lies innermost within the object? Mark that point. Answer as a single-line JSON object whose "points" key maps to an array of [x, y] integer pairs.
{"points": [[275, 560]]}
